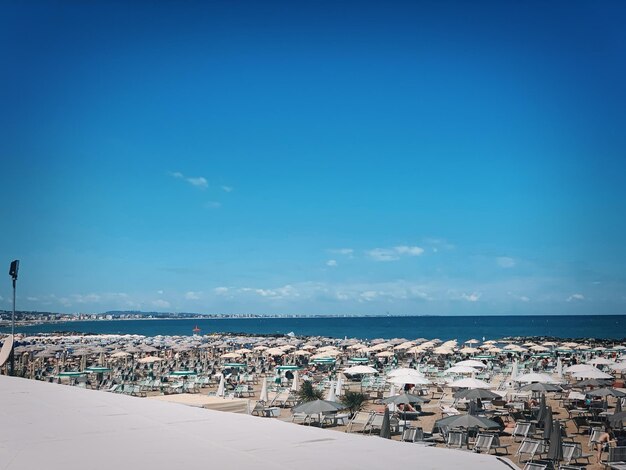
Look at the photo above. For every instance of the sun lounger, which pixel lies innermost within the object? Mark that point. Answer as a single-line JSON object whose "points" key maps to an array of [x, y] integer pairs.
{"points": [[456, 438], [529, 447], [574, 451], [483, 443], [359, 421], [535, 466]]}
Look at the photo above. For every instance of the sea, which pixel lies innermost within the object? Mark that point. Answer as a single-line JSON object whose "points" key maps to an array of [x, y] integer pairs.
{"points": [[462, 328]]}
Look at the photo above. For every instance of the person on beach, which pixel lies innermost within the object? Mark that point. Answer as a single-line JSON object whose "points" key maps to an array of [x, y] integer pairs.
{"points": [[603, 443]]}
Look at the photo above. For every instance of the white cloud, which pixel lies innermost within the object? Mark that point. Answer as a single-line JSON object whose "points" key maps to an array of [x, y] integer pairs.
{"points": [[191, 295], [369, 295], [227, 189], [331, 263], [221, 290], [342, 251], [197, 181], [471, 297], [213, 205], [285, 292], [395, 253], [505, 262], [31, 299], [523, 298], [575, 297], [160, 303], [160, 292]]}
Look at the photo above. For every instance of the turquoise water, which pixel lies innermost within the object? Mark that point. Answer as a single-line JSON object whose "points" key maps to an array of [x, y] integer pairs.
{"points": [[461, 328]]}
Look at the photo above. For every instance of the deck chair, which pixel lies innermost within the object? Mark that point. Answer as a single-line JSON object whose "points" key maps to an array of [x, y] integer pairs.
{"points": [[496, 445], [616, 454], [409, 435], [593, 437], [375, 423], [528, 447], [522, 430], [574, 451], [456, 438], [483, 442], [359, 421], [581, 423], [535, 466], [438, 391]]}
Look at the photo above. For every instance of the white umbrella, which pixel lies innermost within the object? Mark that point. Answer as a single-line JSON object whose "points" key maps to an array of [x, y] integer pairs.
{"points": [[408, 379], [339, 387], [263, 397], [579, 368], [220, 388], [360, 370], [601, 361], [514, 370], [404, 371], [471, 363], [460, 370], [330, 396], [535, 377], [559, 367], [469, 383], [592, 374], [294, 384]]}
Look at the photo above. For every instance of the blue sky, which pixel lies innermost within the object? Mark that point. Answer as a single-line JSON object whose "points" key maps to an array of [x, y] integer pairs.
{"points": [[315, 158]]}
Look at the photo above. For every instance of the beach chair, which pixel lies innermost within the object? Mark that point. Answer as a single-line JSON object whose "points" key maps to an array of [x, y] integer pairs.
{"points": [[456, 438], [438, 392], [529, 447], [496, 445], [574, 451], [483, 443], [535, 466], [615, 454], [594, 435], [522, 430], [359, 421], [375, 423], [581, 423]]}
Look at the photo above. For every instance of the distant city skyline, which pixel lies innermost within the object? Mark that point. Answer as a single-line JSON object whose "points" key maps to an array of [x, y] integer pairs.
{"points": [[413, 158]]}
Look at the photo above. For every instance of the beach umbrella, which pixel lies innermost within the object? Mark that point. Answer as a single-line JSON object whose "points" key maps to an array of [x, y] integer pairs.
{"points": [[404, 371], [403, 399], [385, 428], [460, 370], [149, 360], [469, 383], [514, 370], [589, 383], [606, 392], [578, 368], [540, 387], [339, 387], [541, 412], [360, 370], [601, 361], [592, 374], [330, 396], [471, 363], [559, 367], [220, 388], [555, 449], [534, 377], [318, 407], [263, 397], [476, 393], [408, 379], [294, 383], [548, 424], [467, 421]]}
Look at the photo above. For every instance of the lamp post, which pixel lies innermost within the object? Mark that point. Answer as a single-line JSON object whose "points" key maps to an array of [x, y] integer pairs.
{"points": [[15, 266]]}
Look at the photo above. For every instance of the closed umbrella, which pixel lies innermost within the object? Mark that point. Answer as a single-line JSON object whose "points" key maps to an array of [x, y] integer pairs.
{"points": [[339, 387], [295, 383], [385, 429], [330, 396], [555, 450], [547, 428], [220, 388], [263, 397], [541, 413]]}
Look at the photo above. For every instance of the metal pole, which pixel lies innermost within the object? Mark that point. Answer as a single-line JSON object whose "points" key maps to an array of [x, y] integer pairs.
{"points": [[12, 360]]}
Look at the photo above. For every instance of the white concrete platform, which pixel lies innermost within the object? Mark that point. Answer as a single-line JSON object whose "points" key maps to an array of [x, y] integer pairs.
{"points": [[50, 426]]}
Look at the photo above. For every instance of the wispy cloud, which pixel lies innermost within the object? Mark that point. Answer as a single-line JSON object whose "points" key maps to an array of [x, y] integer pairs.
{"points": [[213, 205], [505, 262], [331, 262], [160, 303], [471, 297], [227, 189], [575, 298], [197, 181], [342, 251], [395, 253], [191, 295]]}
